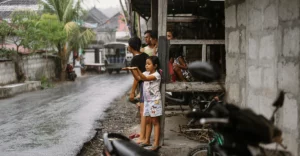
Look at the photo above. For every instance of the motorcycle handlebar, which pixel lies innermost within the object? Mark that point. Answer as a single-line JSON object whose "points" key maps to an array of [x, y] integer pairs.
{"points": [[214, 120]]}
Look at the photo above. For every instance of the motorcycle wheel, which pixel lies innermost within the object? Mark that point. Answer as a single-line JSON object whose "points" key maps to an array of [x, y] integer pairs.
{"points": [[195, 101], [201, 150]]}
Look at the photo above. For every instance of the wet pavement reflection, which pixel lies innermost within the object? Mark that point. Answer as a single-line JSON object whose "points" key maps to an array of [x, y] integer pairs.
{"points": [[57, 121]]}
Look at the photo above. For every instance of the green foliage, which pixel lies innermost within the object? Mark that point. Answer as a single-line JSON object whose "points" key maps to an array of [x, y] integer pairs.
{"points": [[50, 30], [23, 29], [46, 83], [6, 53], [67, 12], [5, 29]]}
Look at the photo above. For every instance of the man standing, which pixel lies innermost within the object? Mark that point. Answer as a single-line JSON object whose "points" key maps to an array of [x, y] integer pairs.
{"points": [[149, 49], [138, 60]]}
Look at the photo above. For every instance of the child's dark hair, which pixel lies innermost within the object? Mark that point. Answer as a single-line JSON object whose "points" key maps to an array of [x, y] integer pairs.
{"points": [[155, 61], [173, 32], [135, 43], [154, 35]]}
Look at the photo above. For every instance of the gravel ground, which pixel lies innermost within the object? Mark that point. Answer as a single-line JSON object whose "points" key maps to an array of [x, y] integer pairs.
{"points": [[120, 117]]}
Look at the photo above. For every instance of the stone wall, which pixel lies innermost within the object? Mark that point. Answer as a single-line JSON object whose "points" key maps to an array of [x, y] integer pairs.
{"points": [[35, 67], [262, 57]]}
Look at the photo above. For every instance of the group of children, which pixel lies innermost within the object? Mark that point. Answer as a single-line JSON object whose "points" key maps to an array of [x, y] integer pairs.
{"points": [[144, 69]]}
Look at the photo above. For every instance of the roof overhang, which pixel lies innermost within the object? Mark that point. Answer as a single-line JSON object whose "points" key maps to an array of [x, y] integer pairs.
{"points": [[205, 9]]}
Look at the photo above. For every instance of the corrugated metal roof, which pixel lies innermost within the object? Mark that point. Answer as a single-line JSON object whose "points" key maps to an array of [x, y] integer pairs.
{"points": [[18, 2], [8, 6], [96, 16], [111, 24], [195, 7], [5, 14]]}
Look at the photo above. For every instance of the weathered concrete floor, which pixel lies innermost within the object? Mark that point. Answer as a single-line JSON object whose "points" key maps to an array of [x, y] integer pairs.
{"points": [[175, 144]]}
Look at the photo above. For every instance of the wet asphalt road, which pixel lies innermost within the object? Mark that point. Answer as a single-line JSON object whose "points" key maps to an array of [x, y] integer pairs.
{"points": [[56, 122]]}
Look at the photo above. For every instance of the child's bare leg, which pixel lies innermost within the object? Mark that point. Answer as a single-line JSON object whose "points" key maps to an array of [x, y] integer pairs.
{"points": [[143, 125], [148, 130], [179, 75], [155, 122]]}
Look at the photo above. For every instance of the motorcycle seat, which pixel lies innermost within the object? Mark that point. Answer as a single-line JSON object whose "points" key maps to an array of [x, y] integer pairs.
{"points": [[128, 148]]}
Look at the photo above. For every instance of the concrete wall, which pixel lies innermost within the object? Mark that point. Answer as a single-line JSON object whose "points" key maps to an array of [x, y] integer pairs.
{"points": [[7, 72], [35, 66], [262, 57]]}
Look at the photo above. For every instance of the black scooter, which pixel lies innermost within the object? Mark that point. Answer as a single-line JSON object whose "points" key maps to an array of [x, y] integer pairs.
{"points": [[70, 72]]}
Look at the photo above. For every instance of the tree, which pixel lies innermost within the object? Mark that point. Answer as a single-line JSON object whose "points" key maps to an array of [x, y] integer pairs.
{"points": [[22, 30], [67, 12], [126, 10], [128, 20], [50, 33], [5, 29]]}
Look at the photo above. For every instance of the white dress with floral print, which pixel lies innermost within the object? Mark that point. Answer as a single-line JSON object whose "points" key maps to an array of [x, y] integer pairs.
{"points": [[152, 96]]}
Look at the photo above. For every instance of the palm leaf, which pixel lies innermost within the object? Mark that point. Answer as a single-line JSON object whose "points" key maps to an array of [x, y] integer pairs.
{"points": [[71, 29], [68, 11]]}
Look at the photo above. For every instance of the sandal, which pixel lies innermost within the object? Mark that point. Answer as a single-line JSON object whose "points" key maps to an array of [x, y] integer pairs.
{"points": [[155, 148], [144, 144]]}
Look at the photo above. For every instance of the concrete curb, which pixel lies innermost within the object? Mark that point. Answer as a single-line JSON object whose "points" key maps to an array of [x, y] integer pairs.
{"points": [[13, 89]]}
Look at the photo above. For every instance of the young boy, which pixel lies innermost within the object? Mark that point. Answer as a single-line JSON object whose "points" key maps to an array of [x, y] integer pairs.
{"points": [[138, 60]]}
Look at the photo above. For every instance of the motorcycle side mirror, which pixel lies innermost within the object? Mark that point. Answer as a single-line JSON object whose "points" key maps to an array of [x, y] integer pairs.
{"points": [[203, 71], [278, 103]]}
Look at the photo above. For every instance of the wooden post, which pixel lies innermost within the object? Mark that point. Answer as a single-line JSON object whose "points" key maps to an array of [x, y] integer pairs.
{"points": [[154, 14], [203, 53], [139, 26], [163, 51], [208, 54]]}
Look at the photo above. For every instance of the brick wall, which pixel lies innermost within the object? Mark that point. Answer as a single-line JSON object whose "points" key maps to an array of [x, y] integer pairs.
{"points": [[262, 57]]}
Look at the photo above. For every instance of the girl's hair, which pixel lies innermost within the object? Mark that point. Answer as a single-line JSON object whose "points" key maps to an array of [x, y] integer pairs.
{"points": [[155, 61], [173, 32], [135, 43]]}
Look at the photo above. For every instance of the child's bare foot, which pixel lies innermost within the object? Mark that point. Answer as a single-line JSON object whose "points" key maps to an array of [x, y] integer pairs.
{"points": [[139, 141]]}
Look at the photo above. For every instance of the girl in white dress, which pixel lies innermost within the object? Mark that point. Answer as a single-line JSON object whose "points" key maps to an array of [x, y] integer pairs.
{"points": [[152, 98]]}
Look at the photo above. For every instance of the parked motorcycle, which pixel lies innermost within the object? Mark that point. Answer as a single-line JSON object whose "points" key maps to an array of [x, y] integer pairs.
{"points": [[119, 145], [240, 132], [71, 75]]}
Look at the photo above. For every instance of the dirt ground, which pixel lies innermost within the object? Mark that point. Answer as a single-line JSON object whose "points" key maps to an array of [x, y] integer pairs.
{"points": [[120, 116]]}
